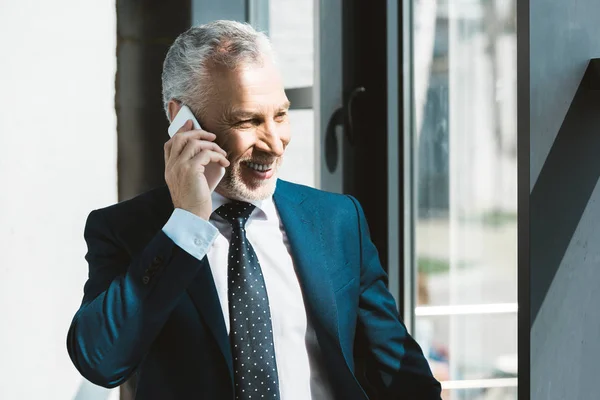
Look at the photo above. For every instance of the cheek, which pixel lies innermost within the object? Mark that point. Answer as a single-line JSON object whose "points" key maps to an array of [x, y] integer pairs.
{"points": [[237, 146]]}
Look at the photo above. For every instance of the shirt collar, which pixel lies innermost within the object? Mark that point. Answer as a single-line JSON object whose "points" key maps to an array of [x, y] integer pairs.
{"points": [[265, 209]]}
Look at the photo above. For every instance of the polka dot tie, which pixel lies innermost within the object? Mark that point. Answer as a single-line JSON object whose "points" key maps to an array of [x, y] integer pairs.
{"points": [[251, 334]]}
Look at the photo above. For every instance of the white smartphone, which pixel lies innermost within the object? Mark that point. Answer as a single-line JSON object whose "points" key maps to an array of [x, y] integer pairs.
{"points": [[214, 172]]}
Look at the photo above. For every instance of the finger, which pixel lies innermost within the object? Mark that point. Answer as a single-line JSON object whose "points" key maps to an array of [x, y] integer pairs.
{"points": [[180, 140], [194, 137], [194, 146], [167, 147], [205, 157]]}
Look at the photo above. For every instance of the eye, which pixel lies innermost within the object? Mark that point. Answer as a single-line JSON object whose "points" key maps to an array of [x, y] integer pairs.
{"points": [[247, 123], [281, 116]]}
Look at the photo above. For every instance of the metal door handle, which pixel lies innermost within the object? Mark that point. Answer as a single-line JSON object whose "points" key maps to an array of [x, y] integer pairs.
{"points": [[351, 97]]}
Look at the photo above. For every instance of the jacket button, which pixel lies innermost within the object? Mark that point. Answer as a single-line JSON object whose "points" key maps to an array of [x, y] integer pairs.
{"points": [[157, 260], [146, 279]]}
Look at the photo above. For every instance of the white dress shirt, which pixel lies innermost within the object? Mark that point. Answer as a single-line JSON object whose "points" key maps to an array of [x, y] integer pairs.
{"points": [[300, 366]]}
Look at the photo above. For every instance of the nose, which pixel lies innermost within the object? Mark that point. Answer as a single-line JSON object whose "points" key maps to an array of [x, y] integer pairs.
{"points": [[273, 138]]}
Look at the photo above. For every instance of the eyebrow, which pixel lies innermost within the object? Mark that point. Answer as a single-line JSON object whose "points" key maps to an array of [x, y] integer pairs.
{"points": [[284, 106], [239, 113]]}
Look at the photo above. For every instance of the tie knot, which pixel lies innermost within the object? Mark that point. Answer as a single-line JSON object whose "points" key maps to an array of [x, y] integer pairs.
{"points": [[235, 211]]}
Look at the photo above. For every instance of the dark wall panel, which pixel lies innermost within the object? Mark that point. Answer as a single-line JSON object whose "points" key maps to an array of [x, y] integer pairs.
{"points": [[365, 147], [145, 31]]}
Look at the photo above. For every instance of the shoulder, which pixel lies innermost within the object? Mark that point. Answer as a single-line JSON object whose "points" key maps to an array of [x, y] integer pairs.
{"points": [[342, 205], [311, 193], [148, 210], [157, 199]]}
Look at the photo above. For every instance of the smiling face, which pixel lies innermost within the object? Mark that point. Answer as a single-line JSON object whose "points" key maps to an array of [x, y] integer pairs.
{"points": [[248, 111]]}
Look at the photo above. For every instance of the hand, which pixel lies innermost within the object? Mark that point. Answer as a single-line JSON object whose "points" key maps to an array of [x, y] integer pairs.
{"points": [[187, 154]]}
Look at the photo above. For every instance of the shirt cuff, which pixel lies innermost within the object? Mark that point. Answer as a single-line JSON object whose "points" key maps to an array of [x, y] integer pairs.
{"points": [[190, 232]]}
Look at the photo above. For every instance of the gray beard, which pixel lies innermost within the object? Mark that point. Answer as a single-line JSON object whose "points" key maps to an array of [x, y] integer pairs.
{"points": [[233, 186]]}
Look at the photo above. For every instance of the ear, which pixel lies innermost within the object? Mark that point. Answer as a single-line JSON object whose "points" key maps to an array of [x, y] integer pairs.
{"points": [[173, 107]]}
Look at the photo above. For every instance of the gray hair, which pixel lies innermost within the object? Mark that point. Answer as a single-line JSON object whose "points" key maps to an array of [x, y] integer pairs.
{"points": [[186, 72]]}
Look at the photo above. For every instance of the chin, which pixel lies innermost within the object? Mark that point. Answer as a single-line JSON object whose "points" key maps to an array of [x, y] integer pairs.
{"points": [[235, 187]]}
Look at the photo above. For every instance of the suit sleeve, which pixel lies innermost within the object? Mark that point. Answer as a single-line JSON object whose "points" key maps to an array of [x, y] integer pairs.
{"points": [[395, 365], [126, 301]]}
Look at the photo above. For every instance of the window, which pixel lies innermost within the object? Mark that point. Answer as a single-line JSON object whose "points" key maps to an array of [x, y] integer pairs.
{"points": [[465, 189], [291, 31]]}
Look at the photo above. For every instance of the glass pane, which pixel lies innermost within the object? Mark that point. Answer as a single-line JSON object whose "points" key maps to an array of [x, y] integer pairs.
{"points": [[465, 139], [465, 147], [469, 347], [493, 393], [299, 160], [291, 31]]}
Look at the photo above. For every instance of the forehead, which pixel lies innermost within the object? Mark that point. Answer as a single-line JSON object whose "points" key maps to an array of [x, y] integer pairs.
{"points": [[252, 85]]}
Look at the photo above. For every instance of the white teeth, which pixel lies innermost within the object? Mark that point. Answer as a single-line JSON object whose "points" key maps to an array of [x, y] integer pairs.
{"points": [[259, 167]]}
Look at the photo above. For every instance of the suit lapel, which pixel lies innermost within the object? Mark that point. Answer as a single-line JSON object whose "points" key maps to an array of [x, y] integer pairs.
{"points": [[203, 293], [202, 290], [305, 234]]}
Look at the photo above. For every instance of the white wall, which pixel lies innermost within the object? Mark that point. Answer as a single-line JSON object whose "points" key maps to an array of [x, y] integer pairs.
{"points": [[57, 163]]}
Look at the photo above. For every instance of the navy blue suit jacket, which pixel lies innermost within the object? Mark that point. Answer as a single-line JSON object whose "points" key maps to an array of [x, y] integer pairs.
{"points": [[151, 308]]}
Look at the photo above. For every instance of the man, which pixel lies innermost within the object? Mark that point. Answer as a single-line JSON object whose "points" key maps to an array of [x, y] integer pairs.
{"points": [[263, 289]]}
